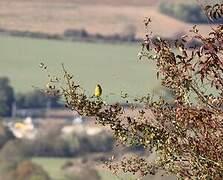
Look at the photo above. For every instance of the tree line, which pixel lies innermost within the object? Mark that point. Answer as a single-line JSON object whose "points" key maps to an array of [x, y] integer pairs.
{"points": [[29, 100]]}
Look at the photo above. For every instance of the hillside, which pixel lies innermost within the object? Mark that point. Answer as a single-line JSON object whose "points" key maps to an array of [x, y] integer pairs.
{"points": [[92, 2], [96, 16]]}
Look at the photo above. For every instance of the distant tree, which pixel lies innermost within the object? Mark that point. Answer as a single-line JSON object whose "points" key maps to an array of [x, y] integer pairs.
{"points": [[185, 11], [76, 33], [6, 97], [5, 135], [36, 99]]}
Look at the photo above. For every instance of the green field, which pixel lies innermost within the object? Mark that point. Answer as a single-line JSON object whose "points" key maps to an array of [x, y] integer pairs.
{"points": [[115, 67], [53, 167]]}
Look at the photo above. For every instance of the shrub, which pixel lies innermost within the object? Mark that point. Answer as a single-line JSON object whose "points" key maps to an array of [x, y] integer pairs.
{"points": [[14, 166], [26, 170], [13, 151], [52, 143], [100, 143], [50, 146], [74, 144]]}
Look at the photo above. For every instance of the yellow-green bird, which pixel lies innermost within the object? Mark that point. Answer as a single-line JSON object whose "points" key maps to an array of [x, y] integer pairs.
{"points": [[97, 91]]}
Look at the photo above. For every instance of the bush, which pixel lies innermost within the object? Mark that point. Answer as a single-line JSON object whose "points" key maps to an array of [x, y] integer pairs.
{"points": [[13, 163], [14, 151], [98, 143], [73, 145], [26, 170], [51, 147], [50, 142]]}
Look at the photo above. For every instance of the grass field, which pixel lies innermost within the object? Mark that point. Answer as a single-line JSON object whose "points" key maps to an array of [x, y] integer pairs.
{"points": [[53, 167], [115, 67]]}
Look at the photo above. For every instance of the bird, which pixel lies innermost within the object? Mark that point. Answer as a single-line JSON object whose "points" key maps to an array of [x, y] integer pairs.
{"points": [[97, 91]]}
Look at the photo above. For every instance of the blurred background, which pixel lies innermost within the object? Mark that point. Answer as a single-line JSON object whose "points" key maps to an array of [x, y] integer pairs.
{"points": [[98, 41]]}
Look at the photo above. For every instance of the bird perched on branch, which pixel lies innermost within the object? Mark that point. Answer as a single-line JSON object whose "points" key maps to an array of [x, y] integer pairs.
{"points": [[97, 91]]}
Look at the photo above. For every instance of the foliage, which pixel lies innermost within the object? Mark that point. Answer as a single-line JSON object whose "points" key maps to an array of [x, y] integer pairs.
{"points": [[54, 144], [186, 135], [6, 97], [185, 11], [74, 144], [101, 142]]}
